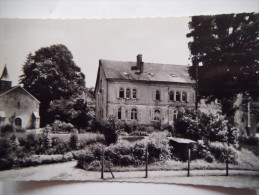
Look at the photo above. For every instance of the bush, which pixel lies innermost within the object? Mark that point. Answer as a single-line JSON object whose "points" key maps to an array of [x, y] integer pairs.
{"points": [[111, 129], [59, 127], [7, 129], [74, 141], [223, 152], [253, 141], [139, 133]]}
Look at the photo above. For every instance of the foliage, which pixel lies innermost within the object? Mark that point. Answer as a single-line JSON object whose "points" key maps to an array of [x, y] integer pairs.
{"points": [[73, 109], [197, 125], [74, 141], [7, 129], [224, 48], [51, 74], [111, 129], [59, 126]]}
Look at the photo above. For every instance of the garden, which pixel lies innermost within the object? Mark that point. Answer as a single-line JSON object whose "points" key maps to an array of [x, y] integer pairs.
{"points": [[126, 148]]}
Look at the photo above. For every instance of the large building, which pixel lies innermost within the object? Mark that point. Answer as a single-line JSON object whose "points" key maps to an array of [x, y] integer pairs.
{"points": [[142, 93], [17, 106], [146, 93]]}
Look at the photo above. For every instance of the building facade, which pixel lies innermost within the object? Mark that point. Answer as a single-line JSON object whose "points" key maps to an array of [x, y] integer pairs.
{"points": [[142, 93], [17, 106], [146, 93]]}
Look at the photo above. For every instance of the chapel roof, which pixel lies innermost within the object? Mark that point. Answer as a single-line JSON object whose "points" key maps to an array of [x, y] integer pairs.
{"points": [[151, 71]]}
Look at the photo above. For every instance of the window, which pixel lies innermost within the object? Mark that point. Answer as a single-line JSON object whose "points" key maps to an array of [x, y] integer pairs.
{"points": [[157, 115], [184, 97], [19, 104], [127, 93], [18, 122], [119, 113], [134, 93], [121, 93], [175, 114], [134, 114], [157, 95], [178, 96], [171, 96]]}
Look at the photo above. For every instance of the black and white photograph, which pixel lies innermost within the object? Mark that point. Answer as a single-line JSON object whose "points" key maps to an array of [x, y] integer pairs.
{"points": [[170, 100]]}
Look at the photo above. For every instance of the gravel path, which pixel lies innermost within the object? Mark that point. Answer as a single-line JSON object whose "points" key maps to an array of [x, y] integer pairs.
{"points": [[67, 171]]}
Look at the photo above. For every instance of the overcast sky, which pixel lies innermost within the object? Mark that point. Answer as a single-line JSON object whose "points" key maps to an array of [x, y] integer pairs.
{"points": [[158, 40], [161, 40]]}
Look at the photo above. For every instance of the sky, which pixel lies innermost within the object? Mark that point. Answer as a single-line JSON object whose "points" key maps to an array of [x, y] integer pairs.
{"points": [[161, 40]]}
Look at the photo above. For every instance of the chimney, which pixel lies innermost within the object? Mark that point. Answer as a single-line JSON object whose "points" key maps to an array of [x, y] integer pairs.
{"points": [[140, 63]]}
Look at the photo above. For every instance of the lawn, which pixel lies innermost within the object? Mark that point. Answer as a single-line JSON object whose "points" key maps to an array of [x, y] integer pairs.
{"points": [[81, 137]]}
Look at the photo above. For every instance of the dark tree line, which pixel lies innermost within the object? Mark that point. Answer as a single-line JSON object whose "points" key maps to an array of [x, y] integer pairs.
{"points": [[225, 51]]}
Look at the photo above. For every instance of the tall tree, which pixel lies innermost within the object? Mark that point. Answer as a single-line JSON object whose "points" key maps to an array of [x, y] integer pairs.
{"points": [[225, 51], [51, 74]]}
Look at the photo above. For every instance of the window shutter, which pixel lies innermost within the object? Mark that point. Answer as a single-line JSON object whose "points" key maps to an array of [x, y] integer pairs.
{"points": [[161, 95], [194, 97], [174, 95], [163, 115], [118, 92], [129, 114], [123, 113], [170, 115], [138, 94], [115, 112], [152, 114], [154, 94], [139, 115], [188, 95], [181, 95]]}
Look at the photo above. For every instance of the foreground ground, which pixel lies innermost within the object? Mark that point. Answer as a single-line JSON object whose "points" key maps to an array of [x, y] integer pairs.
{"points": [[67, 171]]}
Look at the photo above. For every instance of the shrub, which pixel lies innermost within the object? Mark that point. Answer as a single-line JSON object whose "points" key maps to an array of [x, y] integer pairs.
{"points": [[222, 152], [253, 141], [111, 129], [59, 127], [139, 133], [73, 141], [127, 160], [7, 129]]}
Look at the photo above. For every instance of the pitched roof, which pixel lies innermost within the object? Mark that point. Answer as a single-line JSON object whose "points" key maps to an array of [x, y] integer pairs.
{"points": [[151, 72], [17, 87]]}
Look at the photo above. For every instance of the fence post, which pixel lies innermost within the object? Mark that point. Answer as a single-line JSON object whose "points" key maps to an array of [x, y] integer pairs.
{"points": [[102, 170], [146, 155], [189, 158]]}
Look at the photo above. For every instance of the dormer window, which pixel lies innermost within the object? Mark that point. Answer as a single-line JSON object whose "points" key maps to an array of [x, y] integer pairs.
{"points": [[18, 104]]}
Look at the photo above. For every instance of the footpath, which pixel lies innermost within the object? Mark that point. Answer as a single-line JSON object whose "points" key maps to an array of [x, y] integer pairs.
{"points": [[67, 172]]}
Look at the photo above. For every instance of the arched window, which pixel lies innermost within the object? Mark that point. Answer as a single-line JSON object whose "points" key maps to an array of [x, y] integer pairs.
{"points": [[121, 93], [178, 96], [18, 122], [134, 93], [184, 97], [119, 113], [127, 93], [134, 114], [175, 114], [171, 96], [157, 115], [157, 95]]}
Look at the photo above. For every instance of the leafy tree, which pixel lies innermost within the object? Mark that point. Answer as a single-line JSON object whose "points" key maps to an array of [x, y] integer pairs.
{"points": [[224, 49], [72, 110], [51, 74]]}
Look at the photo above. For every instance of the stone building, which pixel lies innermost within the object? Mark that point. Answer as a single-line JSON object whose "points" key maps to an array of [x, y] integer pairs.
{"points": [[146, 93], [142, 93], [17, 106]]}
